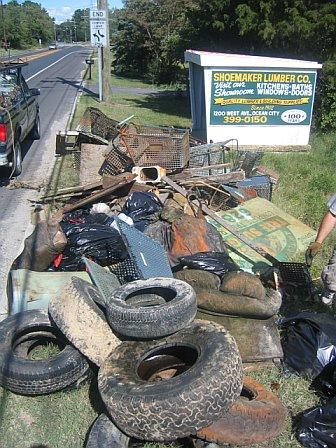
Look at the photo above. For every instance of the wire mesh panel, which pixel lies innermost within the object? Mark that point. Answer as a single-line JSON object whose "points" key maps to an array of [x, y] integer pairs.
{"points": [[116, 162], [162, 146], [125, 270], [94, 122], [148, 256], [204, 156]]}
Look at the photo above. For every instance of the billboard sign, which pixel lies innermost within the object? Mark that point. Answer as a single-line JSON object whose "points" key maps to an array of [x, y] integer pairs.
{"points": [[261, 97]]}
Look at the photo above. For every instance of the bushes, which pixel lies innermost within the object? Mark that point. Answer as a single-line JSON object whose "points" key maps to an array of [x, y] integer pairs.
{"points": [[325, 104]]}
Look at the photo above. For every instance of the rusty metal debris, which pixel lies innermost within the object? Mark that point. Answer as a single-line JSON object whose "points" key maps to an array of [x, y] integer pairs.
{"points": [[155, 203]]}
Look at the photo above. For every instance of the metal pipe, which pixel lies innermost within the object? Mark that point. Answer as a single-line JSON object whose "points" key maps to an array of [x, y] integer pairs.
{"points": [[100, 72]]}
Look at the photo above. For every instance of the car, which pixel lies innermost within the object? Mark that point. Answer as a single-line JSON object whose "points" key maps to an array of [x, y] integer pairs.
{"points": [[19, 115], [52, 47]]}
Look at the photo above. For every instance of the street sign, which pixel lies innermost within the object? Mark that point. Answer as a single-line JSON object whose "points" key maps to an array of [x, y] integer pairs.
{"points": [[98, 27], [97, 14]]}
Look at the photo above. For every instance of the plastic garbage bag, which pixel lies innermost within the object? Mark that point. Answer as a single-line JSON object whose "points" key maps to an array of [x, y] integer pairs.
{"points": [[100, 243], [308, 342], [142, 206], [317, 428], [218, 263]]}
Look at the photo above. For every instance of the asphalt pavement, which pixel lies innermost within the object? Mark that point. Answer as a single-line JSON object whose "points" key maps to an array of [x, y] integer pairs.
{"points": [[58, 76]]}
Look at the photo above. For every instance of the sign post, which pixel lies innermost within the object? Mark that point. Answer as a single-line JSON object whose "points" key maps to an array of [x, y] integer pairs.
{"points": [[98, 28]]}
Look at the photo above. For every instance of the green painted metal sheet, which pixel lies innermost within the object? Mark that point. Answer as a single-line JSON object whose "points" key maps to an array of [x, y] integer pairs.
{"points": [[27, 290], [266, 225]]}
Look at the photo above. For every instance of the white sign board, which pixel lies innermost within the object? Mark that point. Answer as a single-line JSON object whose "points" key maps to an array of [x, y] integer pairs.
{"points": [[97, 14], [98, 28]]}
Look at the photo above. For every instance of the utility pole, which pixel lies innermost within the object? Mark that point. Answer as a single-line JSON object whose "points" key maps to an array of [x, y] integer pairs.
{"points": [[106, 53]]}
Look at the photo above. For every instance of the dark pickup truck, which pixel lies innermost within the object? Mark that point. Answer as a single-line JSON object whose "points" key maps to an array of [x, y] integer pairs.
{"points": [[19, 115]]}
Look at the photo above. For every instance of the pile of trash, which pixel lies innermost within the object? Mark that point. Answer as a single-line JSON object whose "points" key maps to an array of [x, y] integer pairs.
{"points": [[133, 281]]}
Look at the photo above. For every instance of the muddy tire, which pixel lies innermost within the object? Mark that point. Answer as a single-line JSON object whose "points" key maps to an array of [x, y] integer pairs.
{"points": [[105, 434], [238, 305], [258, 418], [166, 389], [25, 376], [83, 323], [153, 308]]}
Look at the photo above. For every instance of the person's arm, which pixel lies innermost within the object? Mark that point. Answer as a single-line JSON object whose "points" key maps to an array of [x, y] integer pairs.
{"points": [[327, 225]]}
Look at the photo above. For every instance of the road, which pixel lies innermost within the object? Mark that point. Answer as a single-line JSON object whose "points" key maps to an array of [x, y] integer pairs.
{"points": [[58, 76]]}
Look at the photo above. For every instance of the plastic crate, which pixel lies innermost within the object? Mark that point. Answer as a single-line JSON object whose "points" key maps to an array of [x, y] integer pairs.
{"points": [[161, 146]]}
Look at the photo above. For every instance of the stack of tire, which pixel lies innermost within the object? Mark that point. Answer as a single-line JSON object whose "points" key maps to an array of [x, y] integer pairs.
{"points": [[162, 375]]}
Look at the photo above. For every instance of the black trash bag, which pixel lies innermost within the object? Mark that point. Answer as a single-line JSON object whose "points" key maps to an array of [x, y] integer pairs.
{"points": [[142, 206], [317, 428], [218, 263], [325, 382], [100, 243], [308, 342], [83, 216]]}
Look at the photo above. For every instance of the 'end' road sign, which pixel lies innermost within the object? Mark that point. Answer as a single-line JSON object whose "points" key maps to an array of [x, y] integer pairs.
{"points": [[98, 28]]}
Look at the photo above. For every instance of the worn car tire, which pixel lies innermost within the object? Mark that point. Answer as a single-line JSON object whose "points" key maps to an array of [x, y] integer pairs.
{"points": [[82, 321], [238, 305], [105, 434], [204, 378], [25, 376], [256, 420], [17, 158], [131, 313], [35, 133]]}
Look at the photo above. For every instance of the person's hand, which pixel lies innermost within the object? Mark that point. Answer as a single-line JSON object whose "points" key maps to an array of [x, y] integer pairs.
{"points": [[312, 250]]}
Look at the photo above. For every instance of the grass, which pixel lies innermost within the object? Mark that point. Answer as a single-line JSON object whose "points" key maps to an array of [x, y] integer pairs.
{"points": [[60, 420], [306, 181]]}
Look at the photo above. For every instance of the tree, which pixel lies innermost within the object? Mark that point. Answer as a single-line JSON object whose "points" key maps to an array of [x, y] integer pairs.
{"points": [[25, 24], [148, 37]]}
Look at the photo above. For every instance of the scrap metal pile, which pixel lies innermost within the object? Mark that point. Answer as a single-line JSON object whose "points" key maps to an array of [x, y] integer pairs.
{"points": [[133, 283]]}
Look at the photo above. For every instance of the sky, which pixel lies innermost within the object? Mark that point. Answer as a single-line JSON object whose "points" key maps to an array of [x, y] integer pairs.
{"points": [[62, 10]]}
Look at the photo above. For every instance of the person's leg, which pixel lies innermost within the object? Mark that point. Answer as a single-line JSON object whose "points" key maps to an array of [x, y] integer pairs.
{"points": [[329, 281]]}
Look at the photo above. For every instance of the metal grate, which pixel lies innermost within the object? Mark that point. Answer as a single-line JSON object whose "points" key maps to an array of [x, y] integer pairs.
{"points": [[125, 271], [148, 256], [95, 123], [149, 145], [213, 154], [106, 282], [116, 162]]}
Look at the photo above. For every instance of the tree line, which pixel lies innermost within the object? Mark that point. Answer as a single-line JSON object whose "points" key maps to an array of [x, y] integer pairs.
{"points": [[22, 25], [152, 36]]}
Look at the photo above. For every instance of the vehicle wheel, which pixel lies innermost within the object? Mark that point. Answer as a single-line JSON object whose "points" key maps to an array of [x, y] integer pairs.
{"points": [[166, 389], [19, 335], [152, 308], [239, 305], [16, 159], [105, 434], [36, 130], [82, 321], [257, 416]]}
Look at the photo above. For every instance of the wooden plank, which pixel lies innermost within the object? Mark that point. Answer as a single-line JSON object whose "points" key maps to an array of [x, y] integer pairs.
{"points": [[92, 158], [119, 181], [275, 148]]}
